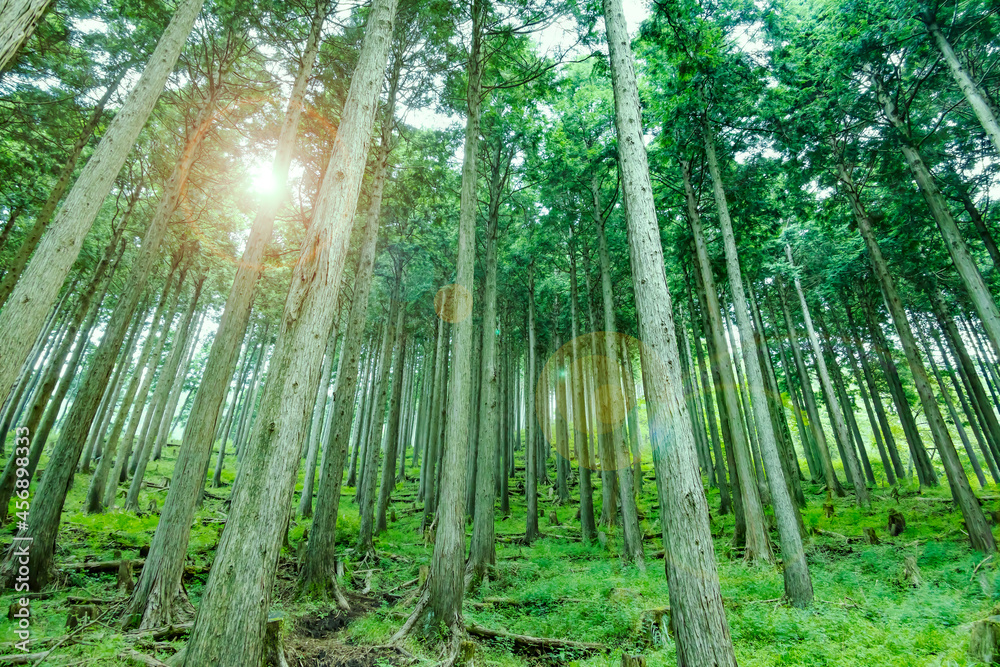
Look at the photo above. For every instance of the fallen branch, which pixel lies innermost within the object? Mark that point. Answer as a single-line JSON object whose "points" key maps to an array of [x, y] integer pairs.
{"points": [[142, 658], [21, 658], [167, 631], [538, 643], [101, 566]]}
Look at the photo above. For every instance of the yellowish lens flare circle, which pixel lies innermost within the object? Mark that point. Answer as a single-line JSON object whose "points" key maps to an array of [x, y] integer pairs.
{"points": [[589, 366]]}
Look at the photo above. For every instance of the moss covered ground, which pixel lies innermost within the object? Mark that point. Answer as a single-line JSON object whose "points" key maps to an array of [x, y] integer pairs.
{"points": [[864, 614]]}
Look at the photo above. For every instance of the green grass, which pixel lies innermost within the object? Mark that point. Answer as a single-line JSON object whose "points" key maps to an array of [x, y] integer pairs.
{"points": [[562, 588]]}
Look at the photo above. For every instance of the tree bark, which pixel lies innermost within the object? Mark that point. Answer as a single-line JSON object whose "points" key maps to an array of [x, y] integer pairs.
{"points": [[160, 396], [702, 631], [613, 400], [851, 464], [230, 624], [581, 427], [393, 433], [978, 291], [18, 20], [758, 546], [980, 534], [36, 291], [973, 95], [798, 583]]}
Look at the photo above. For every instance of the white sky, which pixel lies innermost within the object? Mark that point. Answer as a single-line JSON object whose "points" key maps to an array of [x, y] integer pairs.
{"points": [[553, 39]]}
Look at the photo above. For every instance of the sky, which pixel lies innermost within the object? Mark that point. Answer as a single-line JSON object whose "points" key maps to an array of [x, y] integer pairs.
{"points": [[555, 38]]}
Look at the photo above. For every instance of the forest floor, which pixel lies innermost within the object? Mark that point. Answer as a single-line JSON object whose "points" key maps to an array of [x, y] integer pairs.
{"points": [[865, 613]]}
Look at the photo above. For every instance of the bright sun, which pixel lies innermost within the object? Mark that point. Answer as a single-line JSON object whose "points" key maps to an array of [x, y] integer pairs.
{"points": [[262, 179]]}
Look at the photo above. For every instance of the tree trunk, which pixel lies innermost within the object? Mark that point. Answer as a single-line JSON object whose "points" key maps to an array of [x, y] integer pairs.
{"points": [[229, 627], [530, 384], [851, 464], [99, 480], [581, 427], [956, 420], [36, 291], [163, 388], [970, 414], [317, 574], [979, 293], [702, 632], [44, 216], [845, 401], [798, 583], [18, 20], [979, 532], [316, 428], [482, 552], [758, 546], [613, 402], [973, 95], [392, 431], [725, 501], [918, 454]]}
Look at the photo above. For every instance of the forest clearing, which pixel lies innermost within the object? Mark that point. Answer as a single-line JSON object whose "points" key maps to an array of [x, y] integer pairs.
{"points": [[502, 332]]}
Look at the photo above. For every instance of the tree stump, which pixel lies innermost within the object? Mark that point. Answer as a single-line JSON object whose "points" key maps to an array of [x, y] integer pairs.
{"points": [[897, 524], [126, 582], [425, 572], [274, 643], [554, 518], [984, 643], [466, 653], [656, 626], [81, 613], [828, 505], [392, 516], [871, 537], [15, 610], [911, 573], [633, 661]]}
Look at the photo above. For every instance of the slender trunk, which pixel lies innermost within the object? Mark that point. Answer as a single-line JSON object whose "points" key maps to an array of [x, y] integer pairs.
{"points": [[581, 427], [393, 433], [97, 492], [758, 546], [873, 390], [918, 455], [39, 285], [318, 573], [971, 415], [50, 497], [819, 437], [973, 95], [159, 399], [168, 421], [316, 427], [851, 464], [482, 552], [845, 401], [798, 583], [18, 20], [696, 601], [979, 293], [725, 501], [608, 370], [531, 450], [953, 413], [230, 625], [872, 420], [979, 532]]}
